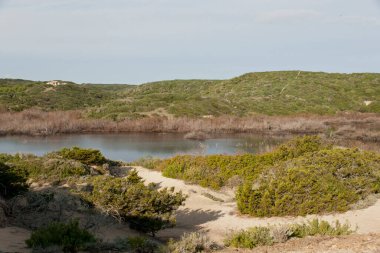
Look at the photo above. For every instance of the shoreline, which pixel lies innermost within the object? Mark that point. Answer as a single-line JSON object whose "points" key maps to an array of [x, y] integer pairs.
{"points": [[351, 126]]}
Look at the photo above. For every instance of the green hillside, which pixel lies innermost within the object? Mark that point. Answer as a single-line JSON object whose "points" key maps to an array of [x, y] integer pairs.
{"points": [[270, 93], [18, 95]]}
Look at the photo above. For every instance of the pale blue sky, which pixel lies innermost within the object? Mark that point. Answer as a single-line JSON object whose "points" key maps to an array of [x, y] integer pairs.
{"points": [[135, 41]]}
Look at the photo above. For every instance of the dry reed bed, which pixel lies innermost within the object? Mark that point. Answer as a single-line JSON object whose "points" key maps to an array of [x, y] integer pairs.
{"points": [[357, 126]]}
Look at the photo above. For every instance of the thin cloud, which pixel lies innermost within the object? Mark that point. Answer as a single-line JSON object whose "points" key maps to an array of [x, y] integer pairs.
{"points": [[356, 20], [287, 15]]}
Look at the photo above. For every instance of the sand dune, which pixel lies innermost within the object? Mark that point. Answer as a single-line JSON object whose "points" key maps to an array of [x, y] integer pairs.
{"points": [[201, 213], [217, 218]]}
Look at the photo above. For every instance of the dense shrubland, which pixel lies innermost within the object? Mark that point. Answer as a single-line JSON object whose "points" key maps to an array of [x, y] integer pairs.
{"points": [[303, 176], [11, 183], [48, 168], [128, 199], [269, 235], [269, 93], [328, 180], [86, 156], [69, 237], [216, 171]]}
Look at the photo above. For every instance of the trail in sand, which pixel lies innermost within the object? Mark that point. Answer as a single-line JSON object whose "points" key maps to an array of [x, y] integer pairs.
{"points": [[217, 218]]}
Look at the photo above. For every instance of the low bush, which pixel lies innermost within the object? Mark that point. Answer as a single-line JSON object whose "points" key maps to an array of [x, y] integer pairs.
{"points": [[86, 156], [320, 227], [11, 183], [128, 199], [251, 238], [147, 162], [329, 180], [260, 236], [70, 237], [48, 168], [215, 171], [192, 243], [140, 244]]}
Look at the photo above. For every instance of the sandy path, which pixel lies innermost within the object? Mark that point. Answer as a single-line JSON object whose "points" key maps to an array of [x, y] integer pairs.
{"points": [[217, 218], [12, 239]]}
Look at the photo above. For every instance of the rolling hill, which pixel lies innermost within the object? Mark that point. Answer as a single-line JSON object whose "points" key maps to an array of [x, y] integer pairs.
{"points": [[268, 93]]}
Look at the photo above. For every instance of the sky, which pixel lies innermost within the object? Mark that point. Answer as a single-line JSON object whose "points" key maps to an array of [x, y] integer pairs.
{"points": [[137, 41]]}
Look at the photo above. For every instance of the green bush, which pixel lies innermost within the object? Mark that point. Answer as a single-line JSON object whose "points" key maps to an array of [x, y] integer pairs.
{"points": [[259, 236], [251, 238], [323, 181], [135, 244], [306, 92], [70, 237], [49, 168], [11, 183], [192, 243], [320, 227], [143, 207], [147, 162], [215, 171], [86, 156], [140, 244]]}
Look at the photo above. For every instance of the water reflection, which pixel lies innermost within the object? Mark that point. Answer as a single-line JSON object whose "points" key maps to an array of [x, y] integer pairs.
{"points": [[129, 147]]}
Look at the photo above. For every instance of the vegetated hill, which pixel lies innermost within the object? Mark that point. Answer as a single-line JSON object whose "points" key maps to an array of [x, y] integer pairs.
{"points": [[18, 95], [270, 93]]}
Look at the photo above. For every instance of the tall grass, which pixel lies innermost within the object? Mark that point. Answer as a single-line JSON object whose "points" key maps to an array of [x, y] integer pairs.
{"points": [[37, 122]]}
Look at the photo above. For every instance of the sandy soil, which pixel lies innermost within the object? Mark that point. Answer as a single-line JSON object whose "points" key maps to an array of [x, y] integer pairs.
{"points": [[217, 218], [346, 244], [12, 239]]}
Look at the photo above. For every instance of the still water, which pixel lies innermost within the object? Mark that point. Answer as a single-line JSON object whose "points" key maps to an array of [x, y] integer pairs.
{"points": [[129, 147]]}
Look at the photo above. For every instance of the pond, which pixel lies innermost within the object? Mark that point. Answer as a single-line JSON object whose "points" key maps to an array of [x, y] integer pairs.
{"points": [[130, 147]]}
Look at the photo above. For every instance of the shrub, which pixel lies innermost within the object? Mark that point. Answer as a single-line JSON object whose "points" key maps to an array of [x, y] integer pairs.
{"points": [[147, 162], [251, 238], [328, 180], [70, 237], [48, 168], [136, 244], [260, 236], [192, 243], [140, 244], [320, 227], [11, 183], [216, 171], [145, 208], [86, 156]]}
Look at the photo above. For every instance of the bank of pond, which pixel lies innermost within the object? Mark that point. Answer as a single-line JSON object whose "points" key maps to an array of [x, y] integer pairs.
{"points": [[306, 175]]}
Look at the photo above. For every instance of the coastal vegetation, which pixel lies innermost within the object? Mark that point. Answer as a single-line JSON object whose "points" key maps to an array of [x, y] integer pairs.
{"points": [[269, 235], [79, 180], [128, 199], [351, 126], [70, 237], [11, 183], [304, 176], [267, 93]]}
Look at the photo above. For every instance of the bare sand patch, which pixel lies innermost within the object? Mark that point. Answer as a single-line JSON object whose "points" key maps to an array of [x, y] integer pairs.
{"points": [[217, 218], [12, 239]]}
